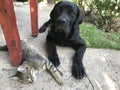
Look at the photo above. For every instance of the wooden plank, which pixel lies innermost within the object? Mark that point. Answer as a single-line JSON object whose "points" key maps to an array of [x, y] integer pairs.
{"points": [[34, 17], [10, 30]]}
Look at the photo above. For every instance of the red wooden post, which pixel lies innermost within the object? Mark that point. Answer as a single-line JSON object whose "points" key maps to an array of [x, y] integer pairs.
{"points": [[10, 30], [34, 17]]}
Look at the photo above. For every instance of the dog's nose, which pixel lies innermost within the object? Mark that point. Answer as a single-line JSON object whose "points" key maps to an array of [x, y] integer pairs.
{"points": [[61, 21]]}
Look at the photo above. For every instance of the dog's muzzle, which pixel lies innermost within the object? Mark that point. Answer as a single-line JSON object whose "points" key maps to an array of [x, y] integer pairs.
{"points": [[61, 25], [61, 21]]}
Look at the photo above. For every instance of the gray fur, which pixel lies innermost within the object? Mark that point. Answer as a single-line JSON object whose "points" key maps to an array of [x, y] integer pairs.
{"points": [[32, 61], [38, 61]]}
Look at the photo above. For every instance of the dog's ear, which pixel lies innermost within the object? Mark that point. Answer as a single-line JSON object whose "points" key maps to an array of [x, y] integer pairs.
{"points": [[78, 20], [79, 17], [52, 14]]}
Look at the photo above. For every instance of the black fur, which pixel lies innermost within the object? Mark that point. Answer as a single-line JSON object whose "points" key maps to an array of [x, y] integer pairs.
{"points": [[64, 30]]}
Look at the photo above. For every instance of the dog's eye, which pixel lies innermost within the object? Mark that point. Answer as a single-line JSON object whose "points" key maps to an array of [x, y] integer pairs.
{"points": [[72, 12], [58, 10]]}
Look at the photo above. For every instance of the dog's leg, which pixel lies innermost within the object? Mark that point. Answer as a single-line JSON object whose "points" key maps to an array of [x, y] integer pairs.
{"points": [[44, 26], [78, 70], [53, 56]]}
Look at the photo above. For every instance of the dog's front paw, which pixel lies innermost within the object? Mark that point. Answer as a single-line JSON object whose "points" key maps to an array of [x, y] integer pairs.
{"points": [[78, 71], [55, 61], [42, 29]]}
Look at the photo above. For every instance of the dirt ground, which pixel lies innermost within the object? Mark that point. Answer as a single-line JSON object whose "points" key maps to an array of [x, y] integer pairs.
{"points": [[102, 65]]}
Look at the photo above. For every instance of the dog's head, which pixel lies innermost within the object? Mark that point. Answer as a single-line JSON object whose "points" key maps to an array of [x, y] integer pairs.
{"points": [[66, 17]]}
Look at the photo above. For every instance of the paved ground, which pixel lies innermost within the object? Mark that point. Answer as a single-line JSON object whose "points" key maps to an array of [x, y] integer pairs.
{"points": [[102, 65]]}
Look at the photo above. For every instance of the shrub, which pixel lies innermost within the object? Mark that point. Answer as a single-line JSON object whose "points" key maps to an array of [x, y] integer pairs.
{"points": [[108, 11], [105, 12]]}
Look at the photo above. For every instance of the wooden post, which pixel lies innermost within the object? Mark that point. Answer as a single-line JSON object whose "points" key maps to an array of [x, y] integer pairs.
{"points": [[10, 30], [34, 17]]}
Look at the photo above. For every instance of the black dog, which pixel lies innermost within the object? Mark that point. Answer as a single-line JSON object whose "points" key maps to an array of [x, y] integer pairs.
{"points": [[64, 30]]}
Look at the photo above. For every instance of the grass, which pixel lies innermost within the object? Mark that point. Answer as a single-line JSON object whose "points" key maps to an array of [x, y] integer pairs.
{"points": [[97, 39]]}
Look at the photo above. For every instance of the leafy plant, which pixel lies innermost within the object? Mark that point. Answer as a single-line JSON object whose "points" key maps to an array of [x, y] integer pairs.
{"points": [[108, 11], [104, 12]]}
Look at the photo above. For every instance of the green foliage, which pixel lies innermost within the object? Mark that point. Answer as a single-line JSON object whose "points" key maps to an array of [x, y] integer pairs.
{"points": [[98, 39], [55, 1], [106, 12], [40, 0]]}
